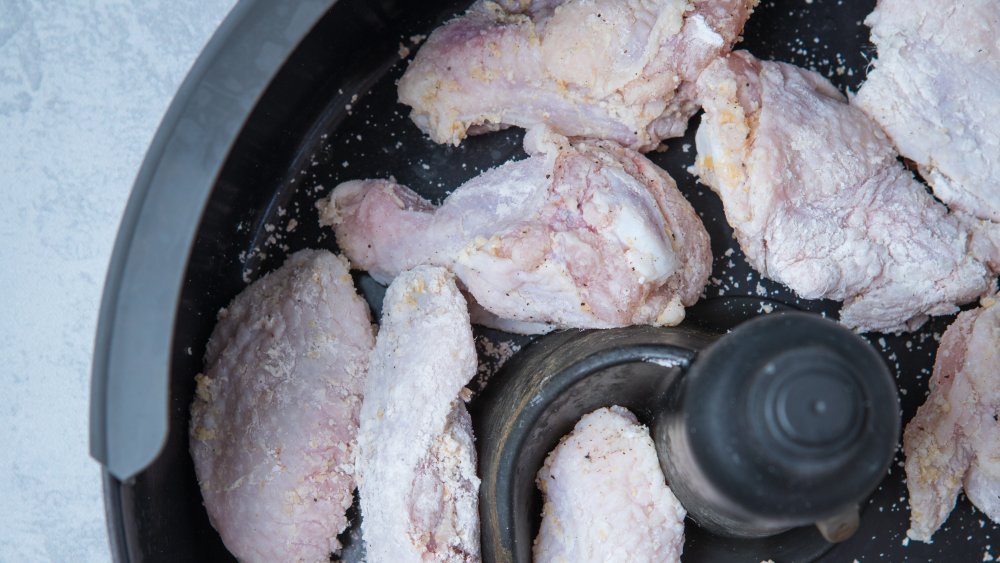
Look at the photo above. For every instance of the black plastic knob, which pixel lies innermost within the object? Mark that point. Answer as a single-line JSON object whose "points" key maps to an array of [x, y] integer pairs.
{"points": [[788, 420], [809, 400]]}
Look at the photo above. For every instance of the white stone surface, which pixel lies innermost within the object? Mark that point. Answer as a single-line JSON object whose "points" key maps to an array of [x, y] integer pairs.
{"points": [[83, 86]]}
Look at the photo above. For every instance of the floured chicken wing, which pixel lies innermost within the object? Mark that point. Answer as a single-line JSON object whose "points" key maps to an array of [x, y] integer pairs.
{"points": [[584, 235], [605, 496], [819, 202], [274, 422], [416, 457], [621, 70], [954, 439], [935, 89]]}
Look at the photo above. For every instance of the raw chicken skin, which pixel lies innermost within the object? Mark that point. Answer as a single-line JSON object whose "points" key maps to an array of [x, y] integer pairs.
{"points": [[954, 439], [620, 70], [819, 202], [416, 457], [274, 421], [605, 496], [585, 235], [985, 240], [935, 89]]}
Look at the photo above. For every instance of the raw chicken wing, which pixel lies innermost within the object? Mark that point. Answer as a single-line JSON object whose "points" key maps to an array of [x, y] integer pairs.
{"points": [[954, 439], [621, 70], [585, 235], [935, 89], [274, 422], [605, 496], [416, 457], [819, 202]]}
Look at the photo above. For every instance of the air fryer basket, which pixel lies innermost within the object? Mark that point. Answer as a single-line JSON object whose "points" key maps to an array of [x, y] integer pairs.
{"points": [[330, 114]]}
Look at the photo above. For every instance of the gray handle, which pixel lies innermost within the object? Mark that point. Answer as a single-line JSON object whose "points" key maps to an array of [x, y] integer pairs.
{"points": [[131, 370]]}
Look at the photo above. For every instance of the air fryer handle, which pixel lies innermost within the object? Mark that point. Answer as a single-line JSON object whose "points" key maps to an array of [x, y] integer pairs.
{"points": [[129, 414]]}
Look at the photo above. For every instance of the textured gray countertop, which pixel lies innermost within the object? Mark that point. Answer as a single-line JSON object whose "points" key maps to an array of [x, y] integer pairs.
{"points": [[83, 86]]}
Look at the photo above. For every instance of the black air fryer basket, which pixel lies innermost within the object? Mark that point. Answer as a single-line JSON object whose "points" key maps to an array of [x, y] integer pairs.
{"points": [[288, 100]]}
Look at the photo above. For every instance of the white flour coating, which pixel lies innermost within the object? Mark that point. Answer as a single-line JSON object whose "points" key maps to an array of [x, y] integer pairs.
{"points": [[492, 356], [416, 457]]}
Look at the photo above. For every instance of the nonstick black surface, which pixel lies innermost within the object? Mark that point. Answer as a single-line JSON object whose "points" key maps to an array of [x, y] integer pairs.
{"points": [[331, 115]]}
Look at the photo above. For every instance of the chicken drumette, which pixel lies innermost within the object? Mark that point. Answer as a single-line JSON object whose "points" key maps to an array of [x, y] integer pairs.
{"points": [[584, 235]]}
